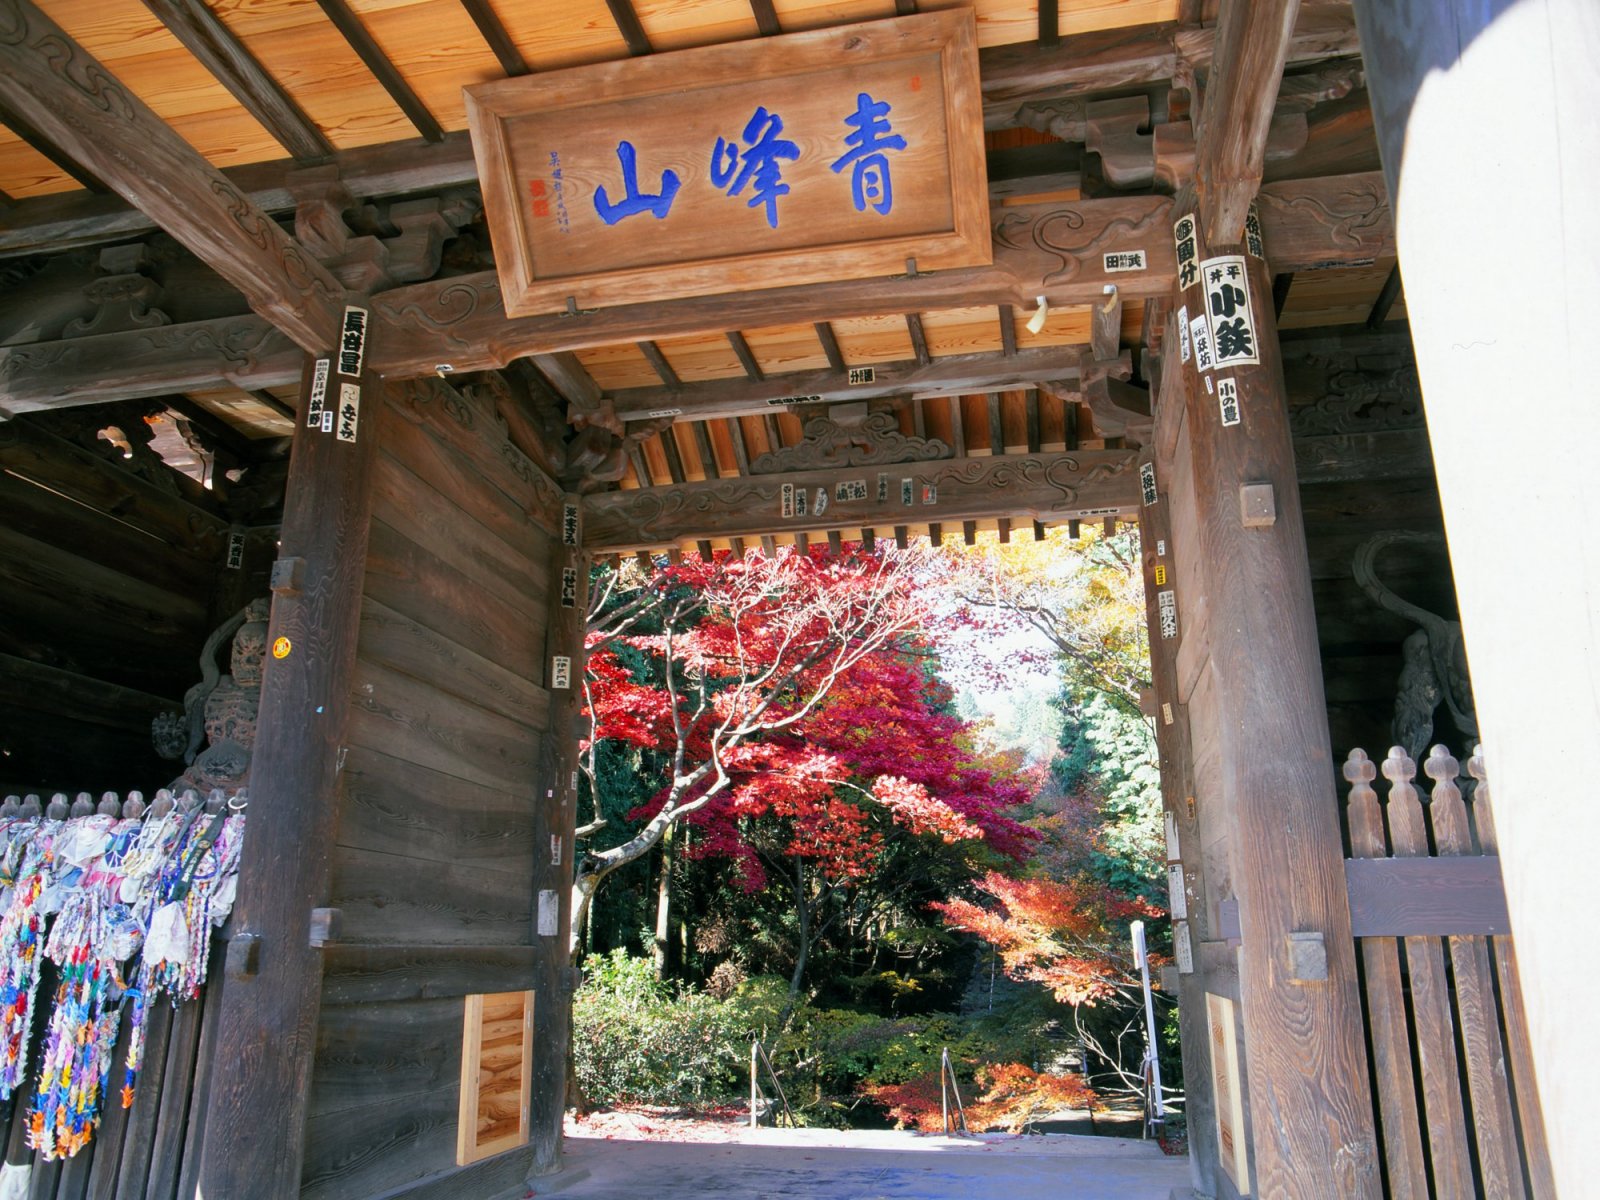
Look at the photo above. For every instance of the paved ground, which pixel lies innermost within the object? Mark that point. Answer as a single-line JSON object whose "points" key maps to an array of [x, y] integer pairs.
{"points": [[829, 1165]]}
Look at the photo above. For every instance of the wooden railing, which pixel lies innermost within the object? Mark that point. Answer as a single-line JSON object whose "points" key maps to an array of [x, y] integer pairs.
{"points": [[148, 1151], [1457, 1102]]}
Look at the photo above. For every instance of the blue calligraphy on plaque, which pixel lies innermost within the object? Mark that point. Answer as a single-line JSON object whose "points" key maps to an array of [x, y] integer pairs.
{"points": [[758, 162], [635, 201], [870, 137]]}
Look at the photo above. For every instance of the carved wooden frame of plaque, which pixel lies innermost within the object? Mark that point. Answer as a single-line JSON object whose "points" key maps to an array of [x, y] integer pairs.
{"points": [[513, 121]]}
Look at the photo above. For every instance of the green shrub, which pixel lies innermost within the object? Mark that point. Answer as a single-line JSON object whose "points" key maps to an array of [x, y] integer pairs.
{"points": [[636, 1041]]}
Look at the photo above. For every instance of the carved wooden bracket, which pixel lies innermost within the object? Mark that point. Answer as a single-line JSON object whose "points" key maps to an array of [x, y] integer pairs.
{"points": [[827, 442]]}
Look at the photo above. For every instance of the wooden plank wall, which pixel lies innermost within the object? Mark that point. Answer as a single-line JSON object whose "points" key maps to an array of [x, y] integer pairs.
{"points": [[110, 587], [435, 846]]}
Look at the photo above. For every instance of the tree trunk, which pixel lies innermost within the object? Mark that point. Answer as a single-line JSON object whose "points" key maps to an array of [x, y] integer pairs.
{"points": [[803, 911], [663, 905]]}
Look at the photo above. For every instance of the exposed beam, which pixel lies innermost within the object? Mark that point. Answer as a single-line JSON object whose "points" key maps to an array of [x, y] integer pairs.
{"points": [[571, 381], [830, 345], [941, 376], [658, 362], [41, 224], [628, 26], [1112, 60], [495, 33], [766, 17], [1049, 487], [1324, 222], [226, 57], [1049, 23], [81, 106], [1251, 48], [383, 70], [1385, 300], [919, 338], [1008, 330], [997, 432], [746, 357], [244, 351], [262, 396], [24, 129]]}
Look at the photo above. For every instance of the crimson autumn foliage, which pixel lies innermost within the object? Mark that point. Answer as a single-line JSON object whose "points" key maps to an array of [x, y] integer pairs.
{"points": [[789, 690], [797, 690], [1013, 1097]]}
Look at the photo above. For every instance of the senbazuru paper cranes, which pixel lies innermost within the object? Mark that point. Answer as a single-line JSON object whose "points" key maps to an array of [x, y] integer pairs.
{"points": [[122, 903]]}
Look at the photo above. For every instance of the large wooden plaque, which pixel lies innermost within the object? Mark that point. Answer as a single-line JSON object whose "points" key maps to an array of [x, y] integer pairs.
{"points": [[835, 154]]}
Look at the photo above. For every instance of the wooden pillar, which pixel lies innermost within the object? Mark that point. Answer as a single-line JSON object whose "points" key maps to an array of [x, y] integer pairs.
{"points": [[1485, 120], [1305, 1054], [555, 820], [255, 1126], [1187, 890]]}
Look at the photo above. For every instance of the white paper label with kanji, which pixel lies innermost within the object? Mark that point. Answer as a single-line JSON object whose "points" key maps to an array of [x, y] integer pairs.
{"points": [[1167, 606], [1183, 241], [1228, 400], [349, 411], [569, 524], [549, 913], [1147, 483], [555, 849], [353, 341], [1201, 336], [569, 587], [786, 500], [820, 506], [316, 402], [560, 672], [1183, 334], [1172, 837], [1233, 325], [1127, 260], [1182, 948], [1179, 901], [235, 549]]}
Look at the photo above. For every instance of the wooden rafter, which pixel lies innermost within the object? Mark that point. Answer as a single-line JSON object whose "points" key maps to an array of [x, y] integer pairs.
{"points": [[1252, 45], [44, 224], [227, 58], [30, 135], [80, 105], [746, 357], [571, 381], [830, 345], [767, 23], [939, 376], [1047, 487], [629, 27], [659, 364], [499, 39], [919, 339], [383, 69]]}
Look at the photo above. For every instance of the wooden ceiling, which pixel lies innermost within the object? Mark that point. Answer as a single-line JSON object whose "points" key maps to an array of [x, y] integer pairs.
{"points": [[258, 87]]}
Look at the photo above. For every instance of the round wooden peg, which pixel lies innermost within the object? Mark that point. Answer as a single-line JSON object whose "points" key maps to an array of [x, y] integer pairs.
{"points": [[110, 806], [83, 806], [134, 808], [58, 808], [1358, 768]]}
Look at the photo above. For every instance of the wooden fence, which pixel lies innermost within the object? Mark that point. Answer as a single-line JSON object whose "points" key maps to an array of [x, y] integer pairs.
{"points": [[1452, 1074]]}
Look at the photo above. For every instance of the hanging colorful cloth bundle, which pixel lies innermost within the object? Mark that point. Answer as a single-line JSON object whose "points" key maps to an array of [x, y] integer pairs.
{"points": [[21, 932]]}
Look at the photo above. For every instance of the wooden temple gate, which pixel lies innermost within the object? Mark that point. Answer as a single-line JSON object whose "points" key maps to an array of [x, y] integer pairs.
{"points": [[392, 1012]]}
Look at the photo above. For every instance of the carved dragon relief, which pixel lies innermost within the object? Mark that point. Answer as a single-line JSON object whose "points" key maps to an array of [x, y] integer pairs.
{"points": [[1051, 233], [1355, 394], [829, 443], [1360, 212]]}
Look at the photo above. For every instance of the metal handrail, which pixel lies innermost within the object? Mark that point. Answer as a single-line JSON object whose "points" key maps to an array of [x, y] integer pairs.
{"points": [[758, 1052], [948, 1085]]}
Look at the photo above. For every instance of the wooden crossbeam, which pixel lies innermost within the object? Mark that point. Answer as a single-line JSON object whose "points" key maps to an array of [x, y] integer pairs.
{"points": [[746, 357], [226, 57], [766, 16], [919, 338], [81, 107], [1323, 222], [571, 381], [830, 345], [1112, 60], [382, 67], [247, 352], [941, 376], [1047, 487], [1251, 48]]}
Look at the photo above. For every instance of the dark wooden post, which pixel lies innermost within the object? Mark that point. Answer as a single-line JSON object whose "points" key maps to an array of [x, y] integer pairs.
{"points": [[1175, 755], [255, 1128], [554, 823], [1301, 1010], [1499, 294]]}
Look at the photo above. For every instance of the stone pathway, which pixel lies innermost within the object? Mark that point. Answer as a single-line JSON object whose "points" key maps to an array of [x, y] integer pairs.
{"points": [[816, 1164]]}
